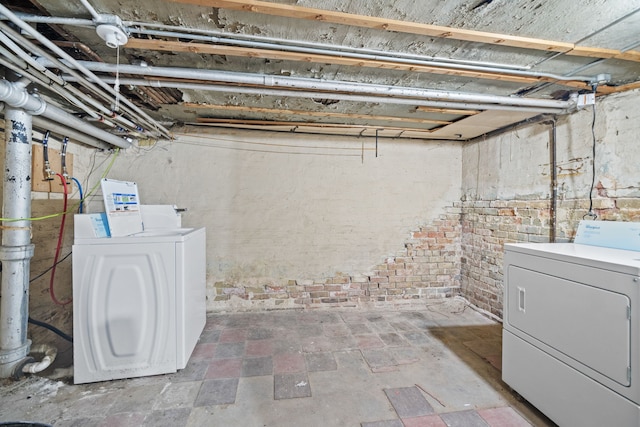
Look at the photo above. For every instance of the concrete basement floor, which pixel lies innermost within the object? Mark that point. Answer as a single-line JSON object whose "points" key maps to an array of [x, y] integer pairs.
{"points": [[438, 365]]}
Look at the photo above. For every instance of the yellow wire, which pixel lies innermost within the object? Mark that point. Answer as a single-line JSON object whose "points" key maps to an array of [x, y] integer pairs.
{"points": [[75, 206]]}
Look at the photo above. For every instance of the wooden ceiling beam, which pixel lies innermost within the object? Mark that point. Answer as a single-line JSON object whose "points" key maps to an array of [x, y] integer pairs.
{"points": [[211, 49], [299, 12], [447, 111], [243, 108], [268, 123]]}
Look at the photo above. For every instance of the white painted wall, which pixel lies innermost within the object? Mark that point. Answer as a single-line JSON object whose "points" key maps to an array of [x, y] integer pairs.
{"points": [[516, 165], [272, 216]]}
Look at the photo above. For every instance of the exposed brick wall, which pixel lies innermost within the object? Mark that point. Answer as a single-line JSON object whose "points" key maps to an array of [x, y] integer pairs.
{"points": [[459, 253], [488, 225], [427, 267]]}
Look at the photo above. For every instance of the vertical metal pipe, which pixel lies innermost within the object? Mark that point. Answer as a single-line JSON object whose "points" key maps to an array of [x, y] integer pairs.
{"points": [[554, 183], [16, 250]]}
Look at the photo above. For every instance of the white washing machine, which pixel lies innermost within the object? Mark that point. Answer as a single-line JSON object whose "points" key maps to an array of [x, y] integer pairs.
{"points": [[571, 336], [139, 301]]}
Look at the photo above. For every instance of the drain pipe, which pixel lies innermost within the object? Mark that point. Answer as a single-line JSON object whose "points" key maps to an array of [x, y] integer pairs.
{"points": [[16, 250], [50, 354], [16, 96]]}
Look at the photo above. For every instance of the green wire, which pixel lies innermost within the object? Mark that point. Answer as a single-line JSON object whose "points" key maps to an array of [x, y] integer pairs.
{"points": [[75, 206]]}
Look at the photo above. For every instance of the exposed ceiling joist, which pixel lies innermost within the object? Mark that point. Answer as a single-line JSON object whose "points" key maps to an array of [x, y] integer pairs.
{"points": [[207, 120], [282, 67], [242, 108], [448, 111], [592, 52], [385, 24]]}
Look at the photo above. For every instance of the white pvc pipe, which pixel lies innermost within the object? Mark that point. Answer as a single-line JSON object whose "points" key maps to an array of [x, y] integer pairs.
{"points": [[323, 85], [50, 354]]}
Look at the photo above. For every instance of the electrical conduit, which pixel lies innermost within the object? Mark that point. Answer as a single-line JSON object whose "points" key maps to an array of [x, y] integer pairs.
{"points": [[282, 82]]}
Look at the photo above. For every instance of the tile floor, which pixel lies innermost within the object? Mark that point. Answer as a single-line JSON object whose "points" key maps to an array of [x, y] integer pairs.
{"points": [[438, 365]]}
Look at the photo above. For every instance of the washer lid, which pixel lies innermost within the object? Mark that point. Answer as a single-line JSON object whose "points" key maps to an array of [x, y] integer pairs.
{"points": [[122, 206]]}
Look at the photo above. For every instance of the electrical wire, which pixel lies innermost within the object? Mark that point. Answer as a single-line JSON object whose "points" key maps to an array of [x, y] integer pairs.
{"points": [[75, 206], [49, 269], [81, 196], [266, 144], [51, 328], [104, 174], [590, 213], [268, 151], [59, 245], [209, 145]]}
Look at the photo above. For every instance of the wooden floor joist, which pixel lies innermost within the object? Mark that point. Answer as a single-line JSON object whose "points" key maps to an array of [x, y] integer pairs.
{"points": [[243, 108], [356, 20], [447, 111], [267, 123]]}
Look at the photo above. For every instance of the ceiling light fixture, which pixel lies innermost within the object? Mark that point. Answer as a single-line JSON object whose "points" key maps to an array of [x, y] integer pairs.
{"points": [[111, 30], [112, 35]]}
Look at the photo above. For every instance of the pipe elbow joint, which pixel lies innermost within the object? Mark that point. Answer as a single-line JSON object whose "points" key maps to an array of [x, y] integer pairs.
{"points": [[50, 354]]}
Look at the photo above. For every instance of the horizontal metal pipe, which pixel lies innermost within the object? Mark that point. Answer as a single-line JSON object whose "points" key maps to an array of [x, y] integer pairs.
{"points": [[167, 30], [60, 116], [17, 96], [143, 117], [38, 19], [74, 136], [337, 96], [377, 56], [142, 28], [31, 61], [68, 92], [322, 85], [62, 87]]}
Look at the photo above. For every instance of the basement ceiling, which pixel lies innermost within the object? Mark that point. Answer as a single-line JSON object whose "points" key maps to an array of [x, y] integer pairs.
{"points": [[454, 69]]}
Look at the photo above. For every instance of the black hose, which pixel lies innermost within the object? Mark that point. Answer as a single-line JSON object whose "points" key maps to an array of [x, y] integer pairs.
{"points": [[45, 147], [52, 329]]}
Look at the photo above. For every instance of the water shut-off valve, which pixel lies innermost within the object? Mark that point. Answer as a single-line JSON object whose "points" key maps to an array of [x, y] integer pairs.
{"points": [[48, 173]]}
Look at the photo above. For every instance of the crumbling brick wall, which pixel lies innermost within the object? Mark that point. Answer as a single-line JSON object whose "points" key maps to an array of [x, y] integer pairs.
{"points": [[427, 267], [488, 225]]}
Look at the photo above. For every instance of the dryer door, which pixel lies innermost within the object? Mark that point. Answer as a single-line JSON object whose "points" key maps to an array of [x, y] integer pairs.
{"points": [[124, 311], [588, 324]]}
